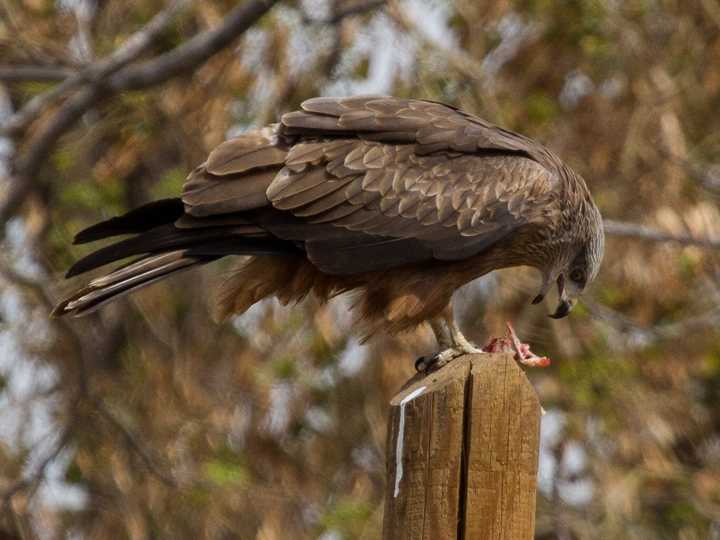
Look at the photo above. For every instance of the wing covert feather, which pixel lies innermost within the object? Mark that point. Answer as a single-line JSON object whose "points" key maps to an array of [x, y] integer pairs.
{"points": [[375, 179], [428, 125], [451, 204]]}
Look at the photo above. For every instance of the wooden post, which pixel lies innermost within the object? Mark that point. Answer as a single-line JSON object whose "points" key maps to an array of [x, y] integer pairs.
{"points": [[462, 453]]}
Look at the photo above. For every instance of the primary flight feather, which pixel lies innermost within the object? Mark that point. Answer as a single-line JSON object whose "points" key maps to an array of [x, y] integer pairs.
{"points": [[400, 200]]}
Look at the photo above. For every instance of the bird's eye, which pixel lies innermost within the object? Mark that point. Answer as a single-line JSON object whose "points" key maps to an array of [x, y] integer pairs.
{"points": [[577, 275]]}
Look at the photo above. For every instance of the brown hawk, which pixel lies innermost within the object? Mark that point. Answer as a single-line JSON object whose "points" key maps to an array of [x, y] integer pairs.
{"points": [[400, 200]]}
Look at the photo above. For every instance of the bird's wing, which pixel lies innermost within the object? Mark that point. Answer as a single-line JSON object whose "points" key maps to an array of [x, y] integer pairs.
{"points": [[430, 126], [420, 179], [396, 207], [234, 177], [370, 183]]}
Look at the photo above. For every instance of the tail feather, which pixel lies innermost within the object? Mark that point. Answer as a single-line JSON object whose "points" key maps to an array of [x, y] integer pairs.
{"points": [[163, 238], [216, 217], [129, 278], [163, 250]]}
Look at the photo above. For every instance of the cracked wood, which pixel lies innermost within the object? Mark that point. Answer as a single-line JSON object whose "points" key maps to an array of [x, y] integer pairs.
{"points": [[470, 454]]}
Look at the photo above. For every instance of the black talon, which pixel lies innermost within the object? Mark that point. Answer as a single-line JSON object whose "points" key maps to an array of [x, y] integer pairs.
{"points": [[425, 364], [422, 363]]}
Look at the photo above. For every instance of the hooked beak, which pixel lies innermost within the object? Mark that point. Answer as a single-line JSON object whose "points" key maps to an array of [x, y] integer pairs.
{"points": [[566, 304], [563, 309]]}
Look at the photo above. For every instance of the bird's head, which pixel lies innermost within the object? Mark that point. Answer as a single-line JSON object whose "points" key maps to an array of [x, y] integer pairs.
{"points": [[575, 271]]}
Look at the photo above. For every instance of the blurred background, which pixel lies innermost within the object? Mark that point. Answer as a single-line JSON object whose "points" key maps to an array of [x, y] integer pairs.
{"points": [[148, 420]]}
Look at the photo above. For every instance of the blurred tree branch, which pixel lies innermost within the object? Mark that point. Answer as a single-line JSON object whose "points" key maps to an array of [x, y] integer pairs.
{"points": [[33, 480], [706, 174], [26, 167], [134, 444], [10, 275], [152, 72], [643, 232], [639, 335], [339, 14], [458, 58], [39, 73], [712, 8], [193, 52], [94, 73]]}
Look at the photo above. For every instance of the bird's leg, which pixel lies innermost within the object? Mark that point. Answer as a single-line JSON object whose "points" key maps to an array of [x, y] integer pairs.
{"points": [[444, 341], [451, 342], [459, 341], [442, 333]]}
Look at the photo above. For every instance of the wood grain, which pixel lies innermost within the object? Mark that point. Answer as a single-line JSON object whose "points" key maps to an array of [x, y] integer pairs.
{"points": [[469, 454]]}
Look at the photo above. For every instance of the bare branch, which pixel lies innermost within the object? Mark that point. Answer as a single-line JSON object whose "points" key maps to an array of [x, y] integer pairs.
{"points": [[707, 175], [10, 275], [173, 63], [27, 167], [135, 445], [135, 45], [32, 481], [634, 230], [457, 58], [357, 9], [85, 13], [192, 53], [22, 73], [636, 335], [712, 9], [338, 16]]}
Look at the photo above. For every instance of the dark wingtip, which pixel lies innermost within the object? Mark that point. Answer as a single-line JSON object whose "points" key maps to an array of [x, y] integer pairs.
{"points": [[79, 267], [101, 230], [89, 262], [59, 310], [135, 221], [71, 272], [87, 235]]}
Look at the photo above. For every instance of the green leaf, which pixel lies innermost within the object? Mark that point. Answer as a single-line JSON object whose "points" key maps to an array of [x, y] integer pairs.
{"points": [[348, 516], [224, 473], [170, 185], [541, 108]]}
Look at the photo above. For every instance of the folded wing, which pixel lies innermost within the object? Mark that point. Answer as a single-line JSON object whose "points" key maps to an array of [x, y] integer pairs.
{"points": [[372, 183]]}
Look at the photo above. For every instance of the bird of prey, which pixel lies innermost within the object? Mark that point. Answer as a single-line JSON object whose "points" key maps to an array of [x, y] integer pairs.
{"points": [[400, 200]]}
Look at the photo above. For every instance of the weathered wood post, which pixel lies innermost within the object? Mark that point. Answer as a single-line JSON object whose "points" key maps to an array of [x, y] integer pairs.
{"points": [[462, 453]]}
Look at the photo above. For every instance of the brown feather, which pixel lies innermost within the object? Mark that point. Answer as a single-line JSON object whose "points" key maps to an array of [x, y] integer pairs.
{"points": [[399, 200], [243, 154], [212, 196]]}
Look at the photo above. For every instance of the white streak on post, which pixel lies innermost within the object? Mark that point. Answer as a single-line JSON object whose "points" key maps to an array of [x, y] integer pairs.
{"points": [[401, 437]]}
